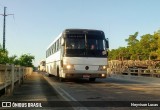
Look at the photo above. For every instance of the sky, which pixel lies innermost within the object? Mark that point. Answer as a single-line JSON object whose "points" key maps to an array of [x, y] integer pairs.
{"points": [[36, 23]]}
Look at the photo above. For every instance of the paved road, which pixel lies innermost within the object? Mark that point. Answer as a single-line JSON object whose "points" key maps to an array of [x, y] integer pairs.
{"points": [[107, 90], [40, 87], [35, 89]]}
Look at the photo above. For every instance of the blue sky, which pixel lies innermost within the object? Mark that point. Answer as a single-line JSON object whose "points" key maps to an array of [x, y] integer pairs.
{"points": [[38, 22]]}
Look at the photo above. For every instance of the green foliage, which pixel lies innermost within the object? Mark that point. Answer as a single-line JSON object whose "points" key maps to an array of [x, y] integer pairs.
{"points": [[119, 54], [3, 56], [133, 46], [24, 60], [12, 59], [132, 40], [148, 47]]}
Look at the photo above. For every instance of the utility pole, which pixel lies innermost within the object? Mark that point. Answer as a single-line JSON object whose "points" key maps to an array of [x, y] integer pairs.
{"points": [[4, 26]]}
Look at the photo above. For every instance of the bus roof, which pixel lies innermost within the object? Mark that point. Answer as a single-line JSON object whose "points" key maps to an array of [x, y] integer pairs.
{"points": [[89, 31]]}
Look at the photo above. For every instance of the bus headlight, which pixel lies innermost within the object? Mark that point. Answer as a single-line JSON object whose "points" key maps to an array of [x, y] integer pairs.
{"points": [[69, 67], [102, 68], [103, 75]]}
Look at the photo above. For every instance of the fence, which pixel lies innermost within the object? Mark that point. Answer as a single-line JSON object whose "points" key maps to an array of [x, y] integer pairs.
{"points": [[11, 75], [134, 68]]}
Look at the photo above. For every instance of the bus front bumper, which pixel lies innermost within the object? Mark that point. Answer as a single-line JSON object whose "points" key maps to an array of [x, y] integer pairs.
{"points": [[84, 74]]}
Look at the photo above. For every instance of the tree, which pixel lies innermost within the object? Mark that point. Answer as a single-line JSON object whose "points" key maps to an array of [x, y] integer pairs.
{"points": [[132, 40], [3, 56], [12, 59], [26, 60], [153, 55], [113, 54], [122, 53], [149, 46], [133, 46], [157, 36]]}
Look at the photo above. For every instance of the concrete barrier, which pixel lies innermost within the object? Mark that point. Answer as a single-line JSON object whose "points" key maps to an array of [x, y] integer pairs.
{"points": [[11, 75]]}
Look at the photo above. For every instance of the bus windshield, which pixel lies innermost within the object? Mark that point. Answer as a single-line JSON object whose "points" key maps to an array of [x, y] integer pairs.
{"points": [[85, 45]]}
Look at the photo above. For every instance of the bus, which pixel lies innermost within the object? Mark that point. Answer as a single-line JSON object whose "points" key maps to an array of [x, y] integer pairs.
{"points": [[42, 66], [78, 53]]}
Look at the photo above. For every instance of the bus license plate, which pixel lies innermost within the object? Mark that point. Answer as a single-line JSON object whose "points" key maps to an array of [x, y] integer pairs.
{"points": [[86, 76]]}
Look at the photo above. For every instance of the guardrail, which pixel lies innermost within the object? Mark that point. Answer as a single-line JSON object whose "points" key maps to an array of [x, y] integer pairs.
{"points": [[142, 72], [11, 75], [135, 72]]}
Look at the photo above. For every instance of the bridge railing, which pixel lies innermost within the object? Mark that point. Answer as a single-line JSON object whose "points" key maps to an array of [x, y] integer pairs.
{"points": [[143, 72], [11, 75], [135, 72], [134, 68]]}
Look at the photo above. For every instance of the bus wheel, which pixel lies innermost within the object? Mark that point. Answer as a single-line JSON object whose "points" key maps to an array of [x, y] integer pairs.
{"points": [[58, 75], [49, 75], [58, 72], [92, 79], [61, 79]]}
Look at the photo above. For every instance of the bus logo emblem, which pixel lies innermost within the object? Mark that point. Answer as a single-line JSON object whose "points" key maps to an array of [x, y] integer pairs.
{"points": [[86, 67]]}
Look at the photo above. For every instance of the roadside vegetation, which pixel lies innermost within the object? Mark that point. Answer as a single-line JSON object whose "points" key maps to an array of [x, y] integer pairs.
{"points": [[145, 48], [23, 60]]}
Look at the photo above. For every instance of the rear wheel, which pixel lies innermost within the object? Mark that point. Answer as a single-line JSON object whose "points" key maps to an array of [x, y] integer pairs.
{"points": [[58, 72], [92, 79]]}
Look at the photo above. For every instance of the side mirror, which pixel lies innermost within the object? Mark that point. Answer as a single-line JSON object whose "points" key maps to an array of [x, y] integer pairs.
{"points": [[107, 43], [62, 41], [105, 52]]}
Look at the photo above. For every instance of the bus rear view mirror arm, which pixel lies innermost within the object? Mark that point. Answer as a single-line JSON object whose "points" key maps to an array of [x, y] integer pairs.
{"points": [[105, 52], [107, 43]]}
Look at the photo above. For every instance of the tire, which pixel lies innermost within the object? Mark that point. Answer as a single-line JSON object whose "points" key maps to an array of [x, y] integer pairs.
{"points": [[61, 79], [58, 72], [49, 75], [58, 76], [92, 79]]}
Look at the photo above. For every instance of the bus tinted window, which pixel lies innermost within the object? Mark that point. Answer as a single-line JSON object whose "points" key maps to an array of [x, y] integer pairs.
{"points": [[87, 45], [75, 42], [95, 43]]}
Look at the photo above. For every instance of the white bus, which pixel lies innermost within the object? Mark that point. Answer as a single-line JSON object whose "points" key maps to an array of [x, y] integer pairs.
{"points": [[42, 66], [78, 53]]}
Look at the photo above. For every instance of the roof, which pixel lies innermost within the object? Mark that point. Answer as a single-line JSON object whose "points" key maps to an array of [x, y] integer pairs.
{"points": [[73, 30]]}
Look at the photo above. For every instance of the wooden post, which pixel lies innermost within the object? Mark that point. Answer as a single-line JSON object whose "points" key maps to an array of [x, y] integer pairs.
{"points": [[19, 75], [22, 75], [5, 79], [151, 72], [139, 71], [129, 71], [12, 75]]}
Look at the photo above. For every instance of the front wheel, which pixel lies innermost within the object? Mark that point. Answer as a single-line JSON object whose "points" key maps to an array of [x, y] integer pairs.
{"points": [[50, 75], [61, 79], [92, 79]]}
